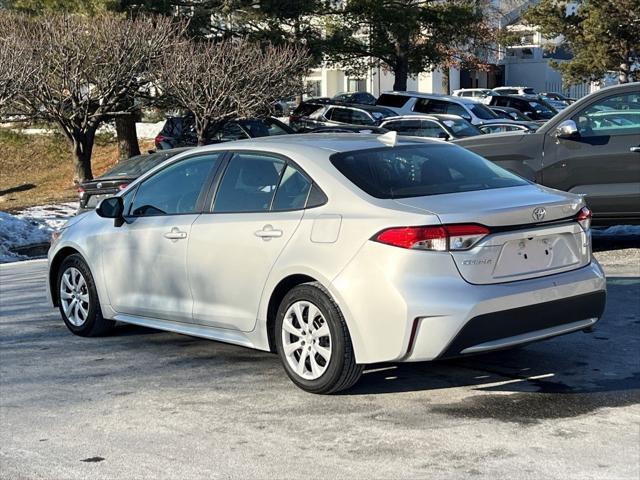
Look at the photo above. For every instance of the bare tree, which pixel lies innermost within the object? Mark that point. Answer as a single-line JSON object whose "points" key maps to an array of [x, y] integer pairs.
{"points": [[219, 80], [82, 70], [13, 74]]}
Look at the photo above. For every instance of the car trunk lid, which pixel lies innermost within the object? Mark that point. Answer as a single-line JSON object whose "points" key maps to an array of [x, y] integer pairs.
{"points": [[533, 232]]}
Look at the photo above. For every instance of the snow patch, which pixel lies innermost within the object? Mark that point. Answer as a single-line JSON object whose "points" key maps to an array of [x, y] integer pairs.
{"points": [[31, 226]]}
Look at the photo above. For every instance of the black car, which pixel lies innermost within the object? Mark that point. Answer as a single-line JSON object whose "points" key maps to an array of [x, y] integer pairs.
{"points": [[180, 131], [534, 108], [362, 98], [120, 176], [510, 113], [337, 114], [591, 148]]}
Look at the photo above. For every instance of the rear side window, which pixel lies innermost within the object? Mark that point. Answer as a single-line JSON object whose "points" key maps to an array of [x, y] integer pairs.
{"points": [[421, 170], [342, 115], [358, 117], [388, 100], [249, 183], [427, 105], [293, 190]]}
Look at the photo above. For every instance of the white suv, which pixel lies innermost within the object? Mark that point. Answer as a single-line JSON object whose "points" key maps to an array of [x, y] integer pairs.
{"points": [[416, 103], [478, 94]]}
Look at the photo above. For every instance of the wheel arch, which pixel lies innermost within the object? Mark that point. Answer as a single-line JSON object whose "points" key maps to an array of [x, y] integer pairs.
{"points": [[54, 267], [277, 295]]}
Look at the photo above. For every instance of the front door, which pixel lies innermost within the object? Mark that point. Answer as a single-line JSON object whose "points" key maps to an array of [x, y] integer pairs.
{"points": [[603, 161], [144, 260], [257, 208]]}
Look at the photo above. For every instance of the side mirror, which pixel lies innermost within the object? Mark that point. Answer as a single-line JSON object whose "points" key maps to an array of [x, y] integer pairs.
{"points": [[112, 207], [567, 129], [442, 135], [467, 117]]}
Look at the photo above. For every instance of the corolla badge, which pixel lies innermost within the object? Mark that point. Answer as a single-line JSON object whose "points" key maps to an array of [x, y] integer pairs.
{"points": [[538, 213]]}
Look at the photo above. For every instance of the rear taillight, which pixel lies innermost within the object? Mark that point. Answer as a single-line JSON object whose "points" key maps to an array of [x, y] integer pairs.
{"points": [[584, 218], [81, 191], [439, 238], [159, 139], [123, 186]]}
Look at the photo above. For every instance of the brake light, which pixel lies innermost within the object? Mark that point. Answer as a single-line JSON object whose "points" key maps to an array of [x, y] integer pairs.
{"points": [[159, 139], [123, 186], [81, 191], [584, 218], [439, 238]]}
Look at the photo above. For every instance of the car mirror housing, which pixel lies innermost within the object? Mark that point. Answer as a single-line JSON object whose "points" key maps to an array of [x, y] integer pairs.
{"points": [[112, 207], [567, 129]]}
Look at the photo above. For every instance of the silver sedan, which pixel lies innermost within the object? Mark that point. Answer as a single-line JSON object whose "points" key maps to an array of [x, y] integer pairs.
{"points": [[335, 251]]}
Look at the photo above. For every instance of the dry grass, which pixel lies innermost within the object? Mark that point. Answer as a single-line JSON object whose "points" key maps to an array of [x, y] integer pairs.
{"points": [[37, 169]]}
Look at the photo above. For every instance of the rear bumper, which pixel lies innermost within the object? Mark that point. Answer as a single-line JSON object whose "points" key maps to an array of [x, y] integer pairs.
{"points": [[516, 326]]}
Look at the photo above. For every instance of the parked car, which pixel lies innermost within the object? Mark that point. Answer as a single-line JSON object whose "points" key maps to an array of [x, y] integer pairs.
{"points": [[411, 103], [119, 177], [510, 113], [445, 127], [534, 108], [335, 252], [363, 98], [478, 94], [557, 96], [591, 148], [180, 131], [522, 91], [333, 115], [509, 126], [349, 129]]}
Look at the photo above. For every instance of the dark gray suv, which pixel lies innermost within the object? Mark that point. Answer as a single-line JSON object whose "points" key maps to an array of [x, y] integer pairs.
{"points": [[592, 148]]}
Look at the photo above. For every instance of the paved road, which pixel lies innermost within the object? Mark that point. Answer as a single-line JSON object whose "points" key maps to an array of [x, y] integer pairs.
{"points": [[148, 404]]}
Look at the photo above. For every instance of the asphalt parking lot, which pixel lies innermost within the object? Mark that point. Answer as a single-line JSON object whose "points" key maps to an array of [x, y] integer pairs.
{"points": [[148, 404]]}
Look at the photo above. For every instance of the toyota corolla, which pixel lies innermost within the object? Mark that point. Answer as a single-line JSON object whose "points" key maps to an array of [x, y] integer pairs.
{"points": [[335, 251]]}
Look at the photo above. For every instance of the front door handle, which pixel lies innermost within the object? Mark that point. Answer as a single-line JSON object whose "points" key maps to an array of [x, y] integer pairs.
{"points": [[635, 149], [268, 232], [175, 234]]}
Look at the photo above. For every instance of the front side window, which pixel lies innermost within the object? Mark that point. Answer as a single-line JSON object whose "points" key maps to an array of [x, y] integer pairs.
{"points": [[456, 109], [358, 117], [421, 170], [461, 128], [174, 190], [616, 115], [249, 183]]}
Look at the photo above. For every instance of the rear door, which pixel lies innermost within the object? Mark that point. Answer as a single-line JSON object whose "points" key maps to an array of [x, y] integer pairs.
{"points": [[602, 162], [259, 203]]}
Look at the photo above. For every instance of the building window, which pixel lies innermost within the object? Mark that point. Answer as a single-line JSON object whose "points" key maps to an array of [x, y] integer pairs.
{"points": [[314, 88], [356, 85]]}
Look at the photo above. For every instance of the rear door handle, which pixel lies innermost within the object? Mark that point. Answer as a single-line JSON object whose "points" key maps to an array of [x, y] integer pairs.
{"points": [[268, 232], [175, 234], [635, 149]]}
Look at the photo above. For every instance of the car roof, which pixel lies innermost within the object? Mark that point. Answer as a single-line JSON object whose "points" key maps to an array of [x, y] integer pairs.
{"points": [[424, 116], [327, 142], [435, 96], [361, 106]]}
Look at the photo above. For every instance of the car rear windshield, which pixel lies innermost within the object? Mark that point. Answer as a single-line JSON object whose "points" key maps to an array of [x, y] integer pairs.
{"points": [[388, 100], [136, 166], [421, 170], [483, 112]]}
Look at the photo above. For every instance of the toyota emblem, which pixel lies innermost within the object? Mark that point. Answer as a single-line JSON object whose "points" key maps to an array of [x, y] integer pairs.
{"points": [[539, 213], [99, 185]]}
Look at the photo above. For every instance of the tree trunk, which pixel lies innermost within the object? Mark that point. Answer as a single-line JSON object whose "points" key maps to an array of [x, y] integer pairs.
{"points": [[400, 73], [623, 76], [127, 137], [82, 146], [446, 80]]}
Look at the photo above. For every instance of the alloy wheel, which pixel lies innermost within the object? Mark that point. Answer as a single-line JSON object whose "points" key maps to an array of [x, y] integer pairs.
{"points": [[74, 296], [306, 340]]}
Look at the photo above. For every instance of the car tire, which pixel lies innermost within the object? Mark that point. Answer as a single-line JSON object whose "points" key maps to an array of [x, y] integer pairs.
{"points": [[78, 299], [315, 349]]}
